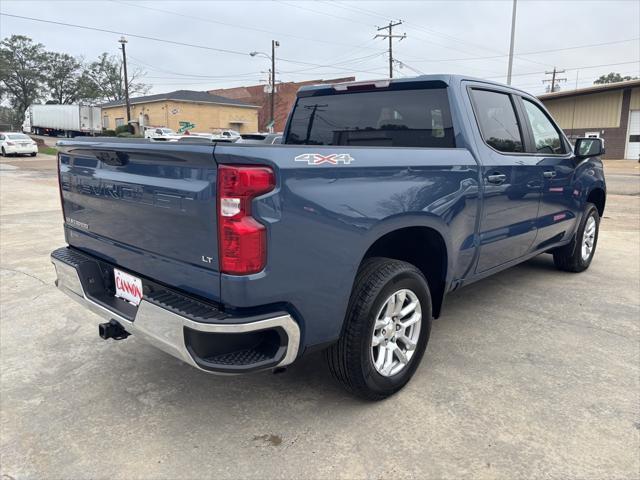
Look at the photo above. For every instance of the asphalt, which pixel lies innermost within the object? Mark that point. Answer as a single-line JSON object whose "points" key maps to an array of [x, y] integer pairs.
{"points": [[531, 373]]}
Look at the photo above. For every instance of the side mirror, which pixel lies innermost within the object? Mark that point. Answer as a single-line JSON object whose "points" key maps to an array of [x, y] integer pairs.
{"points": [[588, 147]]}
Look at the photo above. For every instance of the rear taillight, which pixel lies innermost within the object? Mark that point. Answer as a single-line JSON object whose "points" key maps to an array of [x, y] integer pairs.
{"points": [[242, 240]]}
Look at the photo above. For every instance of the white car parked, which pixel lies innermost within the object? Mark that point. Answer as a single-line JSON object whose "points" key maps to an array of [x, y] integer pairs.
{"points": [[17, 144]]}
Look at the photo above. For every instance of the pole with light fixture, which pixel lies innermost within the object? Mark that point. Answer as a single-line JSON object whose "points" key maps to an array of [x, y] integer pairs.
{"points": [[272, 81]]}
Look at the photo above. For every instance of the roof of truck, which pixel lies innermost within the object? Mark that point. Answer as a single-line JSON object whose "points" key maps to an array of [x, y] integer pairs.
{"points": [[182, 96], [449, 79]]}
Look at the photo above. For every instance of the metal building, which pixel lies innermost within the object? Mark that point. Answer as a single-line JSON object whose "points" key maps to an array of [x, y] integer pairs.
{"points": [[610, 112]]}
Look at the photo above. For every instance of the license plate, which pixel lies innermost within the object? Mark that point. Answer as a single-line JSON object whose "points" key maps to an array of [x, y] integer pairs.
{"points": [[128, 287]]}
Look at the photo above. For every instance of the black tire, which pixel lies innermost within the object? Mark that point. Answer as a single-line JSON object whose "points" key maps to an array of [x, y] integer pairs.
{"points": [[33, 154], [350, 359], [569, 257]]}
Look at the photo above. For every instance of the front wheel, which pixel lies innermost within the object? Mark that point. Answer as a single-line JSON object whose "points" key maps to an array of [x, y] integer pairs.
{"points": [[577, 255], [386, 329]]}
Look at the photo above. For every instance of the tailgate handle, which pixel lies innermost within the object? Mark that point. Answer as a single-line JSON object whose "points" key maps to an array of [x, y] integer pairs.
{"points": [[117, 159]]}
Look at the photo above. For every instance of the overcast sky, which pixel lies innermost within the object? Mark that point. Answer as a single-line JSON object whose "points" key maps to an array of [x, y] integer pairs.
{"points": [[329, 39]]}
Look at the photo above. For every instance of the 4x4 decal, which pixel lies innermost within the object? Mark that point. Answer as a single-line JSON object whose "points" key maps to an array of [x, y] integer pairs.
{"points": [[318, 159]]}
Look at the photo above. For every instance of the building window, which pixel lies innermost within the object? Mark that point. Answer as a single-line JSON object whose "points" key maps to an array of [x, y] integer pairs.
{"points": [[105, 122], [119, 122]]}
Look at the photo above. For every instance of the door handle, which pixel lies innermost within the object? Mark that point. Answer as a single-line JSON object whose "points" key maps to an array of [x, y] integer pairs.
{"points": [[549, 174], [496, 178]]}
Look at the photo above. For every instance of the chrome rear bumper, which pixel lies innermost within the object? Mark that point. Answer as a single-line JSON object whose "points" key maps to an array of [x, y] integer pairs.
{"points": [[168, 330]]}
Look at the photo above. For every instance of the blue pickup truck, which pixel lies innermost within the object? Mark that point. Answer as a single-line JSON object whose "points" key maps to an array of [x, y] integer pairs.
{"points": [[383, 197]]}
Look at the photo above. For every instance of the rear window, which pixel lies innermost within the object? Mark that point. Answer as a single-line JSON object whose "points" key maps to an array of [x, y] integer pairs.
{"points": [[18, 136], [389, 118]]}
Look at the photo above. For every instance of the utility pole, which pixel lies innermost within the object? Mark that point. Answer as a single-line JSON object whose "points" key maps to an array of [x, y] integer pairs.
{"points": [[274, 44], [513, 36], [390, 36], [554, 79], [272, 80], [123, 41]]}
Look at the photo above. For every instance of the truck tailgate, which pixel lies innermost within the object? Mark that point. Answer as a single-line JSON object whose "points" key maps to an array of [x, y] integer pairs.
{"points": [[150, 209]]}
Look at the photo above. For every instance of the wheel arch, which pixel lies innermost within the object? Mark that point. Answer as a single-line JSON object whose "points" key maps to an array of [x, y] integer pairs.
{"points": [[598, 197], [424, 247]]}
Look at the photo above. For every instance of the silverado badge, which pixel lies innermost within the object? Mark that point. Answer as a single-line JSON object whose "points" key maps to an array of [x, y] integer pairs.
{"points": [[317, 159]]}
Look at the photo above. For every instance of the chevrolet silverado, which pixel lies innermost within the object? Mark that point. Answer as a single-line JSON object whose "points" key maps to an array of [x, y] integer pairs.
{"points": [[383, 197]]}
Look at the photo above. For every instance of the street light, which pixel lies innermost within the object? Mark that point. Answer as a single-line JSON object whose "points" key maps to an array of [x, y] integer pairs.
{"points": [[272, 57]]}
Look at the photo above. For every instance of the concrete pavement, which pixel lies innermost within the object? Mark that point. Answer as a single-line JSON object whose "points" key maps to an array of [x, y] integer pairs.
{"points": [[530, 373]]}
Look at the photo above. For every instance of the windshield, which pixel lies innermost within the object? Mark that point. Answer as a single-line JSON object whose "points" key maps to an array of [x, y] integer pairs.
{"points": [[18, 136], [167, 131], [391, 118]]}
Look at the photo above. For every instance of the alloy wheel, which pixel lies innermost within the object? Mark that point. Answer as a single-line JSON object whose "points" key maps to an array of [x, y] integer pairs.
{"points": [[396, 332]]}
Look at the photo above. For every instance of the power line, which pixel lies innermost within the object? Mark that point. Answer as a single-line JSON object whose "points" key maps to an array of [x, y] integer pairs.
{"points": [[118, 32], [171, 42], [434, 33], [235, 25], [576, 47], [322, 13], [453, 38], [337, 64], [410, 25], [582, 82], [403, 64], [571, 68], [142, 63]]}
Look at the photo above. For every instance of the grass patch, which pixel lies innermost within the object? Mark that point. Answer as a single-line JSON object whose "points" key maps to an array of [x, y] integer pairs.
{"points": [[47, 150]]}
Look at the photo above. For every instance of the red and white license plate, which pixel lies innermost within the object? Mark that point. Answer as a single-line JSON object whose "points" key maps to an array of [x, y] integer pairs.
{"points": [[128, 287]]}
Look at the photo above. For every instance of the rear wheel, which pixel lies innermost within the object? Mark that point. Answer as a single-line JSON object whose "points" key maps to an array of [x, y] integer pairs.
{"points": [[577, 255], [386, 330]]}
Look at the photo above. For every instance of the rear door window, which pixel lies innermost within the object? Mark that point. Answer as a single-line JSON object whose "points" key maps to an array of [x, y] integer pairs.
{"points": [[385, 118], [498, 121]]}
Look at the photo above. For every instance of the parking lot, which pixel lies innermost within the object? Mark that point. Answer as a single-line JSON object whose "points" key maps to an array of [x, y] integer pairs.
{"points": [[530, 373]]}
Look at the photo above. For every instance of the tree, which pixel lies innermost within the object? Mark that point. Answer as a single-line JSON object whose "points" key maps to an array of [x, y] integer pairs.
{"points": [[103, 80], [612, 77], [63, 77], [22, 67]]}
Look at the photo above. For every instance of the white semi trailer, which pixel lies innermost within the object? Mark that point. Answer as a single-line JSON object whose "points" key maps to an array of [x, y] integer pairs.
{"points": [[67, 120]]}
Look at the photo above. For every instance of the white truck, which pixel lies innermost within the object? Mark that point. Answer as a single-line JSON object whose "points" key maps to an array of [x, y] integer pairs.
{"points": [[66, 120], [161, 134]]}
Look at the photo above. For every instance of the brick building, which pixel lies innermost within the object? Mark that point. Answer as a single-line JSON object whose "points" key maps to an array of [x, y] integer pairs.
{"points": [[259, 95], [610, 111]]}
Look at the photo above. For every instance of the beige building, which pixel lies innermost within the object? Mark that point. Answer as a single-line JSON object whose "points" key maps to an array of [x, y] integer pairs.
{"points": [[206, 112], [610, 111]]}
